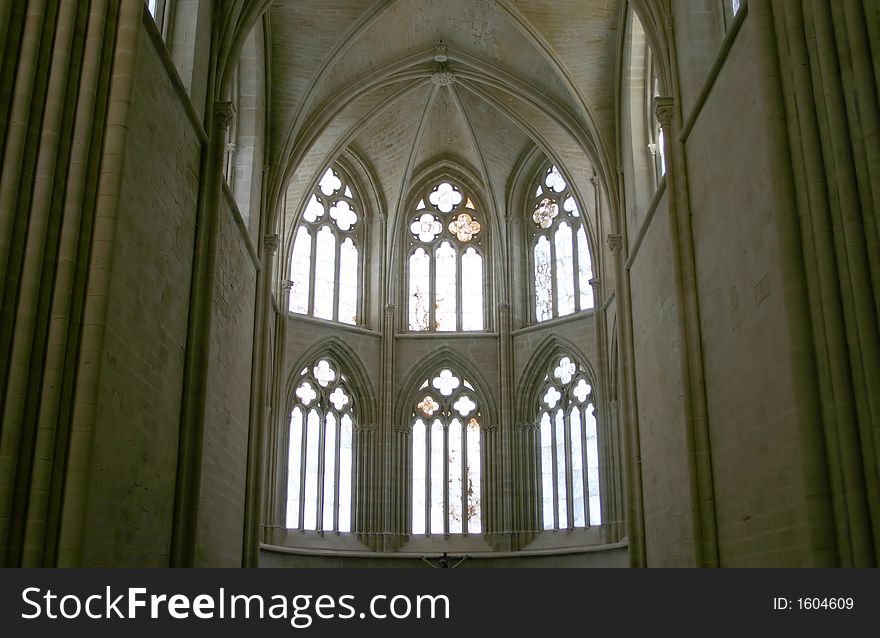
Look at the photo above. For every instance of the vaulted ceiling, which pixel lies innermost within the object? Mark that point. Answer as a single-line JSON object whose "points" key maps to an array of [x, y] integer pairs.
{"points": [[361, 76]]}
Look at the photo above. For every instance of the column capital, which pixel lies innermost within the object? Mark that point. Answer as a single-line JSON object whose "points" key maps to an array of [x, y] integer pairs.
{"points": [[390, 309], [615, 242], [223, 114], [664, 108], [270, 243], [286, 285]]}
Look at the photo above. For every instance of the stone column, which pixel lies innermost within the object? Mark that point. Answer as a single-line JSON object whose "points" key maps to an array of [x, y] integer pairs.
{"points": [[822, 80], [198, 355], [691, 360], [65, 89], [505, 484], [631, 444], [391, 480], [258, 459]]}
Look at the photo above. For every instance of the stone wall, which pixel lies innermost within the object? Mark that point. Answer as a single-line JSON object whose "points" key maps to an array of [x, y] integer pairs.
{"points": [[131, 487]]}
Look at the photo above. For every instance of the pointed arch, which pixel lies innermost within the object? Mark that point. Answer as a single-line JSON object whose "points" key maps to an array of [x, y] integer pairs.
{"points": [[444, 357], [359, 380], [460, 239], [532, 379]]}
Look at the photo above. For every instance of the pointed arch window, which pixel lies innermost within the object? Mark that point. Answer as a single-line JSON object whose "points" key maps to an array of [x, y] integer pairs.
{"points": [[446, 266], [569, 448], [446, 449], [320, 455], [560, 253], [326, 266]]}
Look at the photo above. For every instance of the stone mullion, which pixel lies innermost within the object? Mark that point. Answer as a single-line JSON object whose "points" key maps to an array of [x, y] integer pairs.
{"points": [[322, 466], [569, 464], [459, 301], [313, 257], [554, 279], [464, 480], [337, 237], [303, 455], [336, 472], [446, 475], [555, 470], [585, 461]]}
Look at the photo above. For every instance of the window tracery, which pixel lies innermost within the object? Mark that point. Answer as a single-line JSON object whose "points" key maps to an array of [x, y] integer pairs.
{"points": [[569, 448], [326, 261], [560, 254], [446, 443], [320, 451]]}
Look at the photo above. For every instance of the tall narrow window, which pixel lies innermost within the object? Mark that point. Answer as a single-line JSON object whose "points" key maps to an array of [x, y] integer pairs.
{"points": [[446, 456], [656, 140], [569, 449], [326, 262], [446, 265], [319, 467], [731, 9], [560, 253], [158, 9]]}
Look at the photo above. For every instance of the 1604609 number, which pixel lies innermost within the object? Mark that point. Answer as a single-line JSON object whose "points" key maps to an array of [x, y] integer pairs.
{"points": [[825, 603]]}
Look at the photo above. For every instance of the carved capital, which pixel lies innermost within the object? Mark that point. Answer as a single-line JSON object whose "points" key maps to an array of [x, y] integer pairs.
{"points": [[489, 427], [595, 282], [270, 243], [664, 108], [596, 181], [615, 242], [390, 309], [223, 114], [364, 427], [286, 285], [504, 306]]}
